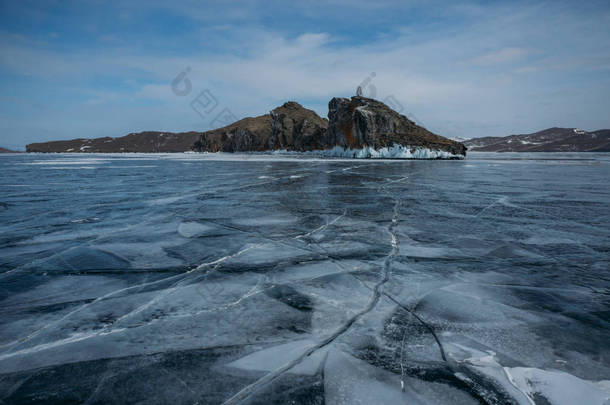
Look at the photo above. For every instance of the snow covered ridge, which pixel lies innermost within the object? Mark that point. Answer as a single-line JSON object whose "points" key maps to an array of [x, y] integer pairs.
{"points": [[368, 152]]}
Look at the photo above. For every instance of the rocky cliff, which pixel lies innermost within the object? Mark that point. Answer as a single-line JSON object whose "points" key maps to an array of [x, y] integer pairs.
{"points": [[368, 128], [248, 134], [289, 127], [297, 128], [548, 140]]}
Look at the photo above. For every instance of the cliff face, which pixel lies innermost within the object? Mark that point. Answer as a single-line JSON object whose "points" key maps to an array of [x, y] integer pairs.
{"points": [[290, 127], [363, 122], [548, 140], [296, 128], [248, 134], [146, 142]]}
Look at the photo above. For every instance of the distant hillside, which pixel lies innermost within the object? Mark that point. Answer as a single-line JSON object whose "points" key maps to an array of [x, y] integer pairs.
{"points": [[4, 150], [145, 142], [548, 140]]}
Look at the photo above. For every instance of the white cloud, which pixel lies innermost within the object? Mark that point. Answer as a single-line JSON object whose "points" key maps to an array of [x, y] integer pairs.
{"points": [[503, 55], [162, 92]]}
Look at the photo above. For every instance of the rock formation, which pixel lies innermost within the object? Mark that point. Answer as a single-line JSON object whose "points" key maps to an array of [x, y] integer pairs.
{"points": [[246, 135], [289, 127], [360, 127], [296, 128], [366, 124]]}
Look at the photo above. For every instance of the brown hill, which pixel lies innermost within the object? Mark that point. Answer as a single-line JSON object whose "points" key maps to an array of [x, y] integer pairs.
{"points": [[548, 140], [147, 142], [290, 127]]}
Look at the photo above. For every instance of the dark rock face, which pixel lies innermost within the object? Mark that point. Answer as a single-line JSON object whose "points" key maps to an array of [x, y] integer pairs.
{"points": [[290, 127], [296, 128], [548, 140], [362, 121], [146, 142], [246, 135]]}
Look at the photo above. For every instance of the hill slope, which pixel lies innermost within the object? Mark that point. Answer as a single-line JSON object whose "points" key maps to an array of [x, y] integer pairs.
{"points": [[146, 142], [290, 127], [548, 140]]}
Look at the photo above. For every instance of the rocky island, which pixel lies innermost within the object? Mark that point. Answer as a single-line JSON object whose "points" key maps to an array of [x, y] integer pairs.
{"points": [[359, 127]]}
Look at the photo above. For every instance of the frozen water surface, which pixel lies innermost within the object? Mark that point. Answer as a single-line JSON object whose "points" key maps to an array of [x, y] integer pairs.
{"points": [[274, 279]]}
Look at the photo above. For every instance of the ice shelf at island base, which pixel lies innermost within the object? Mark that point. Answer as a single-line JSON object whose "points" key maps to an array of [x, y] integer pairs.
{"points": [[368, 152]]}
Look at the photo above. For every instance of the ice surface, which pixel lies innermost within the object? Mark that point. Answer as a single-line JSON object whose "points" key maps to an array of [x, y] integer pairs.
{"points": [[558, 387], [193, 229], [276, 356], [285, 278], [352, 381], [528, 384]]}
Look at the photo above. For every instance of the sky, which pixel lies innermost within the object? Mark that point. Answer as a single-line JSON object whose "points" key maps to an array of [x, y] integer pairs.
{"points": [[85, 69]]}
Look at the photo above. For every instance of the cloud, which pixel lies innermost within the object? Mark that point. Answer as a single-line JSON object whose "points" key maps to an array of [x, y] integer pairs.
{"points": [[160, 92], [504, 55], [312, 40]]}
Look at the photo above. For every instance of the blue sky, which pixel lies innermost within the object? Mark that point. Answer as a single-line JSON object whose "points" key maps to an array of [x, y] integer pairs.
{"points": [[95, 68]]}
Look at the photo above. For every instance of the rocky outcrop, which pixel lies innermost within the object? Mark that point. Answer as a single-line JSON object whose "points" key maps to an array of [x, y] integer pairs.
{"points": [[296, 128], [4, 150], [144, 142], [246, 135], [362, 123], [289, 127], [360, 127], [548, 140]]}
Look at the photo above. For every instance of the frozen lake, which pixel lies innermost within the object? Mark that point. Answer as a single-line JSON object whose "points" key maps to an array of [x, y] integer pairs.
{"points": [[257, 279]]}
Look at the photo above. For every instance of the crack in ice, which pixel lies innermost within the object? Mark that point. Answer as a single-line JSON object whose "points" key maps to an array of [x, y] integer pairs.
{"points": [[111, 294], [323, 227], [245, 392]]}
